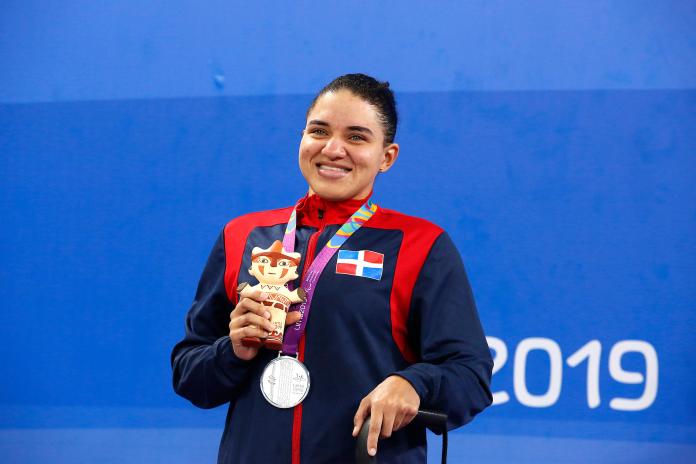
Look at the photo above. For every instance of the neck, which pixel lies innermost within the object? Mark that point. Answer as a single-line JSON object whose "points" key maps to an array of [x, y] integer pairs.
{"points": [[315, 211], [362, 196]]}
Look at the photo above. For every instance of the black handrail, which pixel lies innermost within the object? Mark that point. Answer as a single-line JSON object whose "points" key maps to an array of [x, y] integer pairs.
{"points": [[435, 421]]}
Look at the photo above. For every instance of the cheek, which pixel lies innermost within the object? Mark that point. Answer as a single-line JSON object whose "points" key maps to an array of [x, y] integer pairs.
{"points": [[310, 147], [304, 159], [370, 160], [305, 148]]}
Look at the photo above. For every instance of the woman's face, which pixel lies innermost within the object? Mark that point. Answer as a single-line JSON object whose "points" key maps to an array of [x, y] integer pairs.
{"points": [[342, 147]]}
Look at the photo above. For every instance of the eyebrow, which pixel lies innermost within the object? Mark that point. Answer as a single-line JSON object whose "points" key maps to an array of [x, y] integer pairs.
{"points": [[319, 122], [360, 129]]}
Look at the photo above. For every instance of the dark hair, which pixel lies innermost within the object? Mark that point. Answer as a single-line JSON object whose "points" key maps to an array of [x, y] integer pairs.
{"points": [[374, 92]]}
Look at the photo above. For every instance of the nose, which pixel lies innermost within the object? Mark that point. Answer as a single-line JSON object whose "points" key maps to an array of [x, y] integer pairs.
{"points": [[334, 148]]}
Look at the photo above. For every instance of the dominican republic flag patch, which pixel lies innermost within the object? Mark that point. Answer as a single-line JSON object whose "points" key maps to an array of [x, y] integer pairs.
{"points": [[363, 263]]}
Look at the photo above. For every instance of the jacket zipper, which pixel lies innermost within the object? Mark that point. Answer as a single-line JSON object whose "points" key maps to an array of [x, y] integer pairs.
{"points": [[297, 413]]}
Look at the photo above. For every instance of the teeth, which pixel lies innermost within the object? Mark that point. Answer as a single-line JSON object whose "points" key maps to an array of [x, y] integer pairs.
{"points": [[332, 168]]}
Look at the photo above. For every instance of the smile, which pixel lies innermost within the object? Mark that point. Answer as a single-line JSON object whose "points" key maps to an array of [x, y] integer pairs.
{"points": [[332, 172]]}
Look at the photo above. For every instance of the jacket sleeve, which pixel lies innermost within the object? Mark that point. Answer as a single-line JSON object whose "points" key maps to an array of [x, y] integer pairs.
{"points": [[454, 371], [205, 368]]}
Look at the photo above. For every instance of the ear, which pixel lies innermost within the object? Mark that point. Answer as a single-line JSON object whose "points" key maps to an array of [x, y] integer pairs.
{"points": [[391, 153]]}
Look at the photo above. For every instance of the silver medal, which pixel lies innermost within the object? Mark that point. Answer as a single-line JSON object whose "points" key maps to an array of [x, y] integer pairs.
{"points": [[285, 382]]}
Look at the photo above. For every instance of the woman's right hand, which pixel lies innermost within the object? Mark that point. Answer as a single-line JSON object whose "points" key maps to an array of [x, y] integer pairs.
{"points": [[251, 319]]}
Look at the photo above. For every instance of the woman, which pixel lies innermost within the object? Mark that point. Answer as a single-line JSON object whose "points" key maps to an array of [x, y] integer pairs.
{"points": [[393, 326]]}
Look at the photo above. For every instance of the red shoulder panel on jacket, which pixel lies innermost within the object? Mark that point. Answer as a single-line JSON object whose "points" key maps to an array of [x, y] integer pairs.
{"points": [[236, 232], [419, 236]]}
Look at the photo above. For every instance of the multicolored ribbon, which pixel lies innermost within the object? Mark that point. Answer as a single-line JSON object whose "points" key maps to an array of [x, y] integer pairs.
{"points": [[311, 276]]}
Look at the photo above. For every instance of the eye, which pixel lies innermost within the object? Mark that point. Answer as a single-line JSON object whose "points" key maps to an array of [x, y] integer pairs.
{"points": [[283, 263], [357, 138], [317, 131], [264, 260]]}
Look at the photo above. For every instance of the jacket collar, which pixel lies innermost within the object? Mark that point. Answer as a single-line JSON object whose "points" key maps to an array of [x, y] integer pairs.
{"points": [[314, 211]]}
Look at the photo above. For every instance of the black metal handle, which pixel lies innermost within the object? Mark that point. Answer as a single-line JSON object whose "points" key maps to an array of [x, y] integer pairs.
{"points": [[435, 421]]}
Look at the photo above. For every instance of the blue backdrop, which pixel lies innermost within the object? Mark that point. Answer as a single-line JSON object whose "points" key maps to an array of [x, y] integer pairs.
{"points": [[555, 141]]}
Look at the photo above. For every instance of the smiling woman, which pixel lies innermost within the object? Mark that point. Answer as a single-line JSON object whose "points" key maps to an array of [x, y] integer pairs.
{"points": [[344, 146], [393, 326]]}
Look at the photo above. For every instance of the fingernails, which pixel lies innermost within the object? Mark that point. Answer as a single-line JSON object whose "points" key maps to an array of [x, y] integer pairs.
{"points": [[355, 430], [263, 295], [267, 315], [372, 451]]}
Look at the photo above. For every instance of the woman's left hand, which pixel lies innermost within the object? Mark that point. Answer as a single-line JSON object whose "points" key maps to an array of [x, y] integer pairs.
{"points": [[391, 405]]}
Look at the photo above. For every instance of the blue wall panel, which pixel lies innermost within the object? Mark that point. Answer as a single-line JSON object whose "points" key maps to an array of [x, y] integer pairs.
{"points": [[555, 143], [57, 50]]}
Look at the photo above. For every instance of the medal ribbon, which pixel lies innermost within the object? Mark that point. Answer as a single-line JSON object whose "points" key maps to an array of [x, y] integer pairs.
{"points": [[309, 281]]}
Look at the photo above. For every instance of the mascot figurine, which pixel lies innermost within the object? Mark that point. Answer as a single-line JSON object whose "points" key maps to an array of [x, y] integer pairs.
{"points": [[274, 268]]}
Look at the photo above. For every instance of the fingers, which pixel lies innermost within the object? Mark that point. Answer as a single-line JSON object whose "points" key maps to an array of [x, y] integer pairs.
{"points": [[388, 419], [252, 319], [376, 418], [405, 418], [258, 295], [360, 415], [248, 331], [252, 304], [391, 405], [365, 409], [399, 422]]}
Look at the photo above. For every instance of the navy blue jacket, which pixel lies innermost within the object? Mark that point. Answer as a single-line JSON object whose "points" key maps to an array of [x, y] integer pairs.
{"points": [[418, 321]]}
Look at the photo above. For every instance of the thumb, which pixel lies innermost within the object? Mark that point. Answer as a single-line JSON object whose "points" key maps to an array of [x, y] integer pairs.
{"points": [[292, 317]]}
